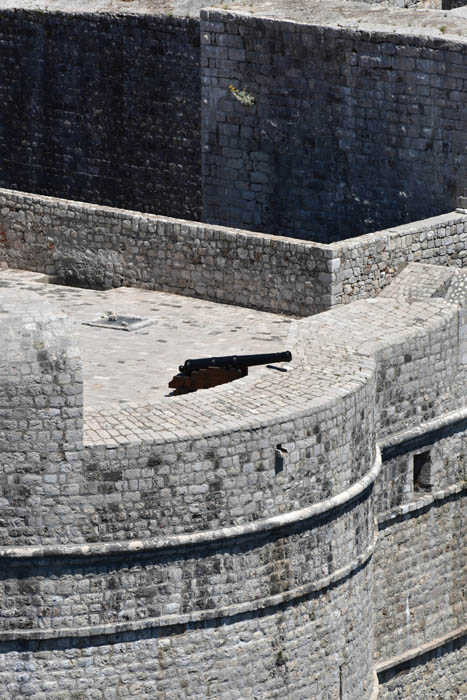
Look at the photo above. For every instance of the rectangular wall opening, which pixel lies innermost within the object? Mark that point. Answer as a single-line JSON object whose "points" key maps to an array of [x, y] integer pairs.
{"points": [[422, 473]]}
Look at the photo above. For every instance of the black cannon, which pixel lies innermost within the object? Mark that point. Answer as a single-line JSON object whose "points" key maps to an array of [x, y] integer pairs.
{"points": [[207, 372]]}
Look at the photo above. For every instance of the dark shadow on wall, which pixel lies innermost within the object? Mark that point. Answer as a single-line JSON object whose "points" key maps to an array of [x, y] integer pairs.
{"points": [[452, 4], [350, 133], [313, 202], [435, 656], [103, 109], [345, 167]]}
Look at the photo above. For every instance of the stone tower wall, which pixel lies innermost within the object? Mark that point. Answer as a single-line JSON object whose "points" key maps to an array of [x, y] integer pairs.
{"points": [[225, 551], [204, 553], [102, 108], [41, 421], [106, 108], [278, 545], [340, 132]]}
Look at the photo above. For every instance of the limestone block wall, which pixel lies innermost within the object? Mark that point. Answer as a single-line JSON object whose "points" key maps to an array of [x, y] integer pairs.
{"points": [[257, 584], [102, 108], [419, 570], [446, 445], [438, 673], [181, 466], [340, 132], [420, 4], [415, 344], [420, 501], [41, 419], [420, 379], [244, 546], [368, 263], [106, 108], [100, 247], [265, 654], [178, 581]]}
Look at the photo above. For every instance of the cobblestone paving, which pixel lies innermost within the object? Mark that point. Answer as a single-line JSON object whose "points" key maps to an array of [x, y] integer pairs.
{"points": [[122, 366]]}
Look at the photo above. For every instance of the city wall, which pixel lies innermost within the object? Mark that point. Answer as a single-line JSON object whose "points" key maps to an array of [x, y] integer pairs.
{"points": [[339, 132], [297, 547], [102, 108], [348, 132], [100, 247], [243, 548]]}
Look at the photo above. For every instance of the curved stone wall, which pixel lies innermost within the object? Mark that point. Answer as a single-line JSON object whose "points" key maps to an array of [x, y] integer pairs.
{"points": [[280, 652], [201, 580]]}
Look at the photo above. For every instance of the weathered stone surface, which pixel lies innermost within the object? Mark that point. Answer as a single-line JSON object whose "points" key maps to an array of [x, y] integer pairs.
{"points": [[283, 537], [346, 132], [173, 528], [99, 247], [102, 108], [440, 673]]}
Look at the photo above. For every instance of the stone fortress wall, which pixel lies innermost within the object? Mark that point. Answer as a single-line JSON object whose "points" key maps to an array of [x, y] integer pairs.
{"points": [[100, 247], [366, 128], [426, 4], [300, 537], [102, 108], [243, 546], [106, 108]]}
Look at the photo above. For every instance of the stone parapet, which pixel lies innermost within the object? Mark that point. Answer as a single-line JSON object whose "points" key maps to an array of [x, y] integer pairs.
{"points": [[100, 247]]}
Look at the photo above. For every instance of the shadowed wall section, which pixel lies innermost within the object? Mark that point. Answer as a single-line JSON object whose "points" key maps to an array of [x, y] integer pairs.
{"points": [[102, 108], [346, 131]]}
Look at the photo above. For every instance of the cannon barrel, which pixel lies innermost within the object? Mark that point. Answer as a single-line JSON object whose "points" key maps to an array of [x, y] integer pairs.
{"points": [[232, 361]]}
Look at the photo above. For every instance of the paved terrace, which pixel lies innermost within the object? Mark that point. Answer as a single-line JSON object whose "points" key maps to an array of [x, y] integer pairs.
{"points": [[333, 357], [421, 20], [120, 367]]}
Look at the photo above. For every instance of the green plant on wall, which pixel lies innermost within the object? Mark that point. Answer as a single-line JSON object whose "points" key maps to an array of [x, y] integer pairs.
{"points": [[242, 96]]}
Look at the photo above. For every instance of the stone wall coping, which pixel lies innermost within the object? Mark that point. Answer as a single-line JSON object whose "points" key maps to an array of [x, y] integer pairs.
{"points": [[329, 250], [427, 426], [95, 11], [192, 539], [396, 232], [386, 26], [375, 690], [421, 502]]}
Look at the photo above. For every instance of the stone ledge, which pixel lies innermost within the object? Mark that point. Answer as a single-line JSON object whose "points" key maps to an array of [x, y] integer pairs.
{"points": [[420, 650], [198, 616], [421, 503], [440, 422], [196, 538], [375, 690]]}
